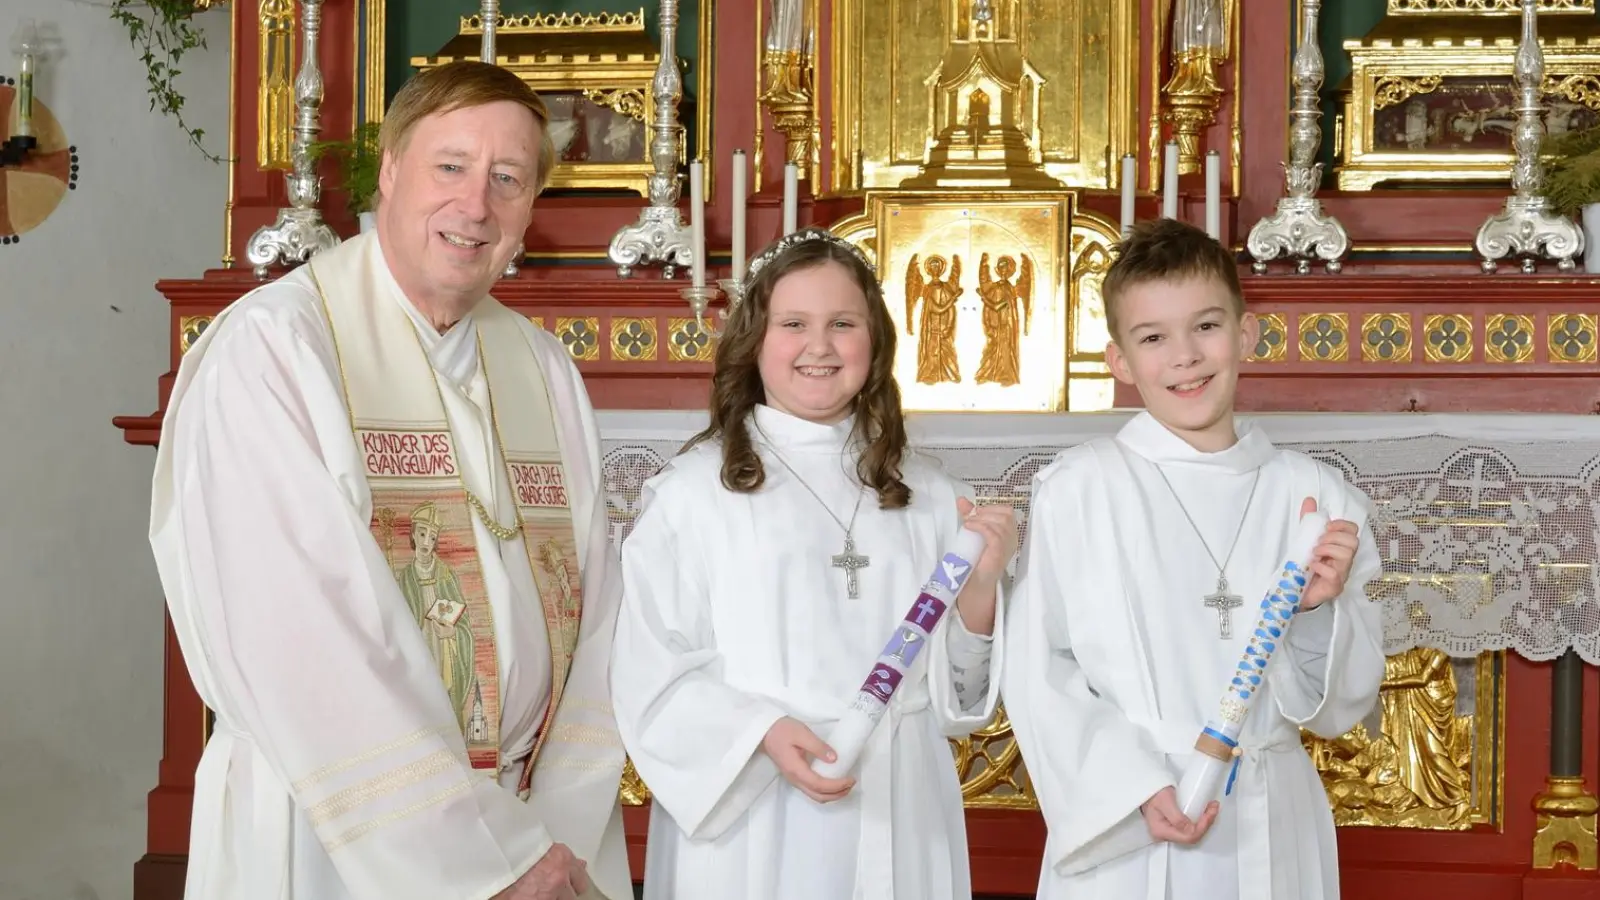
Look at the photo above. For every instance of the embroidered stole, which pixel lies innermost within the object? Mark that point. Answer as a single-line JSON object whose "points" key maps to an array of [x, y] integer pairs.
{"points": [[422, 510]]}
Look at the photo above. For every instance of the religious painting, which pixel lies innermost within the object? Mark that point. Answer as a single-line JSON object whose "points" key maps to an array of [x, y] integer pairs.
{"points": [[586, 130], [979, 291], [592, 60], [1433, 101], [1467, 115]]}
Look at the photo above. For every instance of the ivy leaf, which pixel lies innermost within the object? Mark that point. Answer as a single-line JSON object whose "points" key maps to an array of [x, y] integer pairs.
{"points": [[162, 28]]}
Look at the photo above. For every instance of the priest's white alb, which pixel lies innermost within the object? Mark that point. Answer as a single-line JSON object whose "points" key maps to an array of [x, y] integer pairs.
{"points": [[938, 594], [1218, 743]]}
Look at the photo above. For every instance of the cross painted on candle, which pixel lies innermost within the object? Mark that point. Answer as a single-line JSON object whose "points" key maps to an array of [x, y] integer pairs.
{"points": [[850, 562], [1224, 603], [927, 611]]}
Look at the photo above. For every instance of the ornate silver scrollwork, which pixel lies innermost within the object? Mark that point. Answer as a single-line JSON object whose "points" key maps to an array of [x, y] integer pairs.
{"points": [[299, 232], [1299, 229], [661, 234], [1526, 228]]}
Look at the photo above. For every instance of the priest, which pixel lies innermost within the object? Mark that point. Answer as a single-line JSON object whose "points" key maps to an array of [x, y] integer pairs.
{"points": [[378, 520]]}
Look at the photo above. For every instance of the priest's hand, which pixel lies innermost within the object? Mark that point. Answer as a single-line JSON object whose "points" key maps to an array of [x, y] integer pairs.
{"points": [[1330, 561], [792, 746], [998, 525], [1168, 823], [559, 875]]}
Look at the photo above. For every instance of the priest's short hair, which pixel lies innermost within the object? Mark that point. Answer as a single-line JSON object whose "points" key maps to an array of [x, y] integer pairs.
{"points": [[1167, 250], [459, 85]]}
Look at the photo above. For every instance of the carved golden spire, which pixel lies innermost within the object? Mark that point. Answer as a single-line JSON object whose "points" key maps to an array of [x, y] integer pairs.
{"points": [[985, 99]]}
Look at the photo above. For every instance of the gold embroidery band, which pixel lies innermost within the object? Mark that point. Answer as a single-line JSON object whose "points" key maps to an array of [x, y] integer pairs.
{"points": [[539, 487], [423, 524], [421, 515]]}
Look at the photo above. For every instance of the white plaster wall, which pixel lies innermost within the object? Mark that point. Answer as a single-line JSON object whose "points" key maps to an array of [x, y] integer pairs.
{"points": [[83, 337]]}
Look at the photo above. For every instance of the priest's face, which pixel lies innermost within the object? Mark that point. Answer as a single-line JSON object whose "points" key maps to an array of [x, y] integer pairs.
{"points": [[818, 345], [457, 197], [1180, 344]]}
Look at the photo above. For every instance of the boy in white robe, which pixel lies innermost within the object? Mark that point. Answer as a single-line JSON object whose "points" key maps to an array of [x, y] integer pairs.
{"points": [[1145, 558], [772, 561]]}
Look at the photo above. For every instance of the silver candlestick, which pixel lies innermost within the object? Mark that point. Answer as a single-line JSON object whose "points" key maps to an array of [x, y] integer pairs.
{"points": [[700, 300], [489, 12], [1526, 227], [299, 233], [1300, 230], [733, 289], [660, 234]]}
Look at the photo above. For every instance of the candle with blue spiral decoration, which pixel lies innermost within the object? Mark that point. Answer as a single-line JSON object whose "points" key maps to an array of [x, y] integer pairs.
{"points": [[1218, 744]]}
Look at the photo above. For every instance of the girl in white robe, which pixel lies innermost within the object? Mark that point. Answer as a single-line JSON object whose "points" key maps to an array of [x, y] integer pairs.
{"points": [[770, 563]]}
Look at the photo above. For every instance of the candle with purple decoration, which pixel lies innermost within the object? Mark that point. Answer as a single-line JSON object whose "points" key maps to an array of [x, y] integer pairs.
{"points": [[850, 735]]}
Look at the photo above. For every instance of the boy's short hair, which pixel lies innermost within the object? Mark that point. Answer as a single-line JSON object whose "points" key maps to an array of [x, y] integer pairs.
{"points": [[1167, 250]]}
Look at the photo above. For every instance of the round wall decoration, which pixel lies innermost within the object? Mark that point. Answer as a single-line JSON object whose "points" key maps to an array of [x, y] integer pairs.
{"points": [[31, 192]]}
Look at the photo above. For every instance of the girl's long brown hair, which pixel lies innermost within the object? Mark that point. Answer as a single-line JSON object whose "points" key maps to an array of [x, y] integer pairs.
{"points": [[736, 386]]}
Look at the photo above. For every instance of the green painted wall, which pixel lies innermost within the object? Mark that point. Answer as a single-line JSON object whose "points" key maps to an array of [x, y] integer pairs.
{"points": [[421, 27]]}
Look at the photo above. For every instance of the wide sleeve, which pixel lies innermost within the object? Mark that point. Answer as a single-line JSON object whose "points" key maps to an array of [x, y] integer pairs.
{"points": [[295, 631], [1335, 653], [694, 738], [1091, 767], [963, 668]]}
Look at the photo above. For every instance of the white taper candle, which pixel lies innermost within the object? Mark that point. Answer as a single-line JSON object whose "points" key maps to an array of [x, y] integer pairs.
{"points": [[1214, 194], [791, 198], [739, 194], [1169, 182], [1130, 172], [697, 219]]}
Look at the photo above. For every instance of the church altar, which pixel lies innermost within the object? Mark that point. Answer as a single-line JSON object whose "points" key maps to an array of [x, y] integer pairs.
{"points": [[1487, 523], [1461, 401]]}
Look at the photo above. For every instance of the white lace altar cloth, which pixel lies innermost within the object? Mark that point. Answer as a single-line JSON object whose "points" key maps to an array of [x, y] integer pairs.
{"points": [[1487, 524]]}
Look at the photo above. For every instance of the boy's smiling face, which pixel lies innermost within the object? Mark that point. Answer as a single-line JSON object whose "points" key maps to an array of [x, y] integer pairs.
{"points": [[1180, 343]]}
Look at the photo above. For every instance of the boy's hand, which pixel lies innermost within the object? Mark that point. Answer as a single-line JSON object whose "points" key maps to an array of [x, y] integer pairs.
{"points": [[1168, 823], [1335, 553]]}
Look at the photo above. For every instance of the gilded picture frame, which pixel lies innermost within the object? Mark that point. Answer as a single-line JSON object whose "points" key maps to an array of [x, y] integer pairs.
{"points": [[609, 84], [1439, 108]]}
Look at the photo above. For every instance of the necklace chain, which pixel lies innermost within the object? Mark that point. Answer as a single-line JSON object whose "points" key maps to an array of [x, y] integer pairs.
{"points": [[848, 529], [1222, 566]]}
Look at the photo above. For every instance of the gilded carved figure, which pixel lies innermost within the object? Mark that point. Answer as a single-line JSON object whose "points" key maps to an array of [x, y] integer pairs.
{"points": [[1416, 771], [936, 350], [1002, 353]]}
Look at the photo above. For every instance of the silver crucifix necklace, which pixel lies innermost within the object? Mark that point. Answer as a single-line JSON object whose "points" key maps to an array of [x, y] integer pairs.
{"points": [[1220, 600], [847, 559]]}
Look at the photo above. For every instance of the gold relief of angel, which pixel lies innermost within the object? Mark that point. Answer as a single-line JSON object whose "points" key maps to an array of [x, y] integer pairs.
{"points": [[1002, 326], [936, 349]]}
